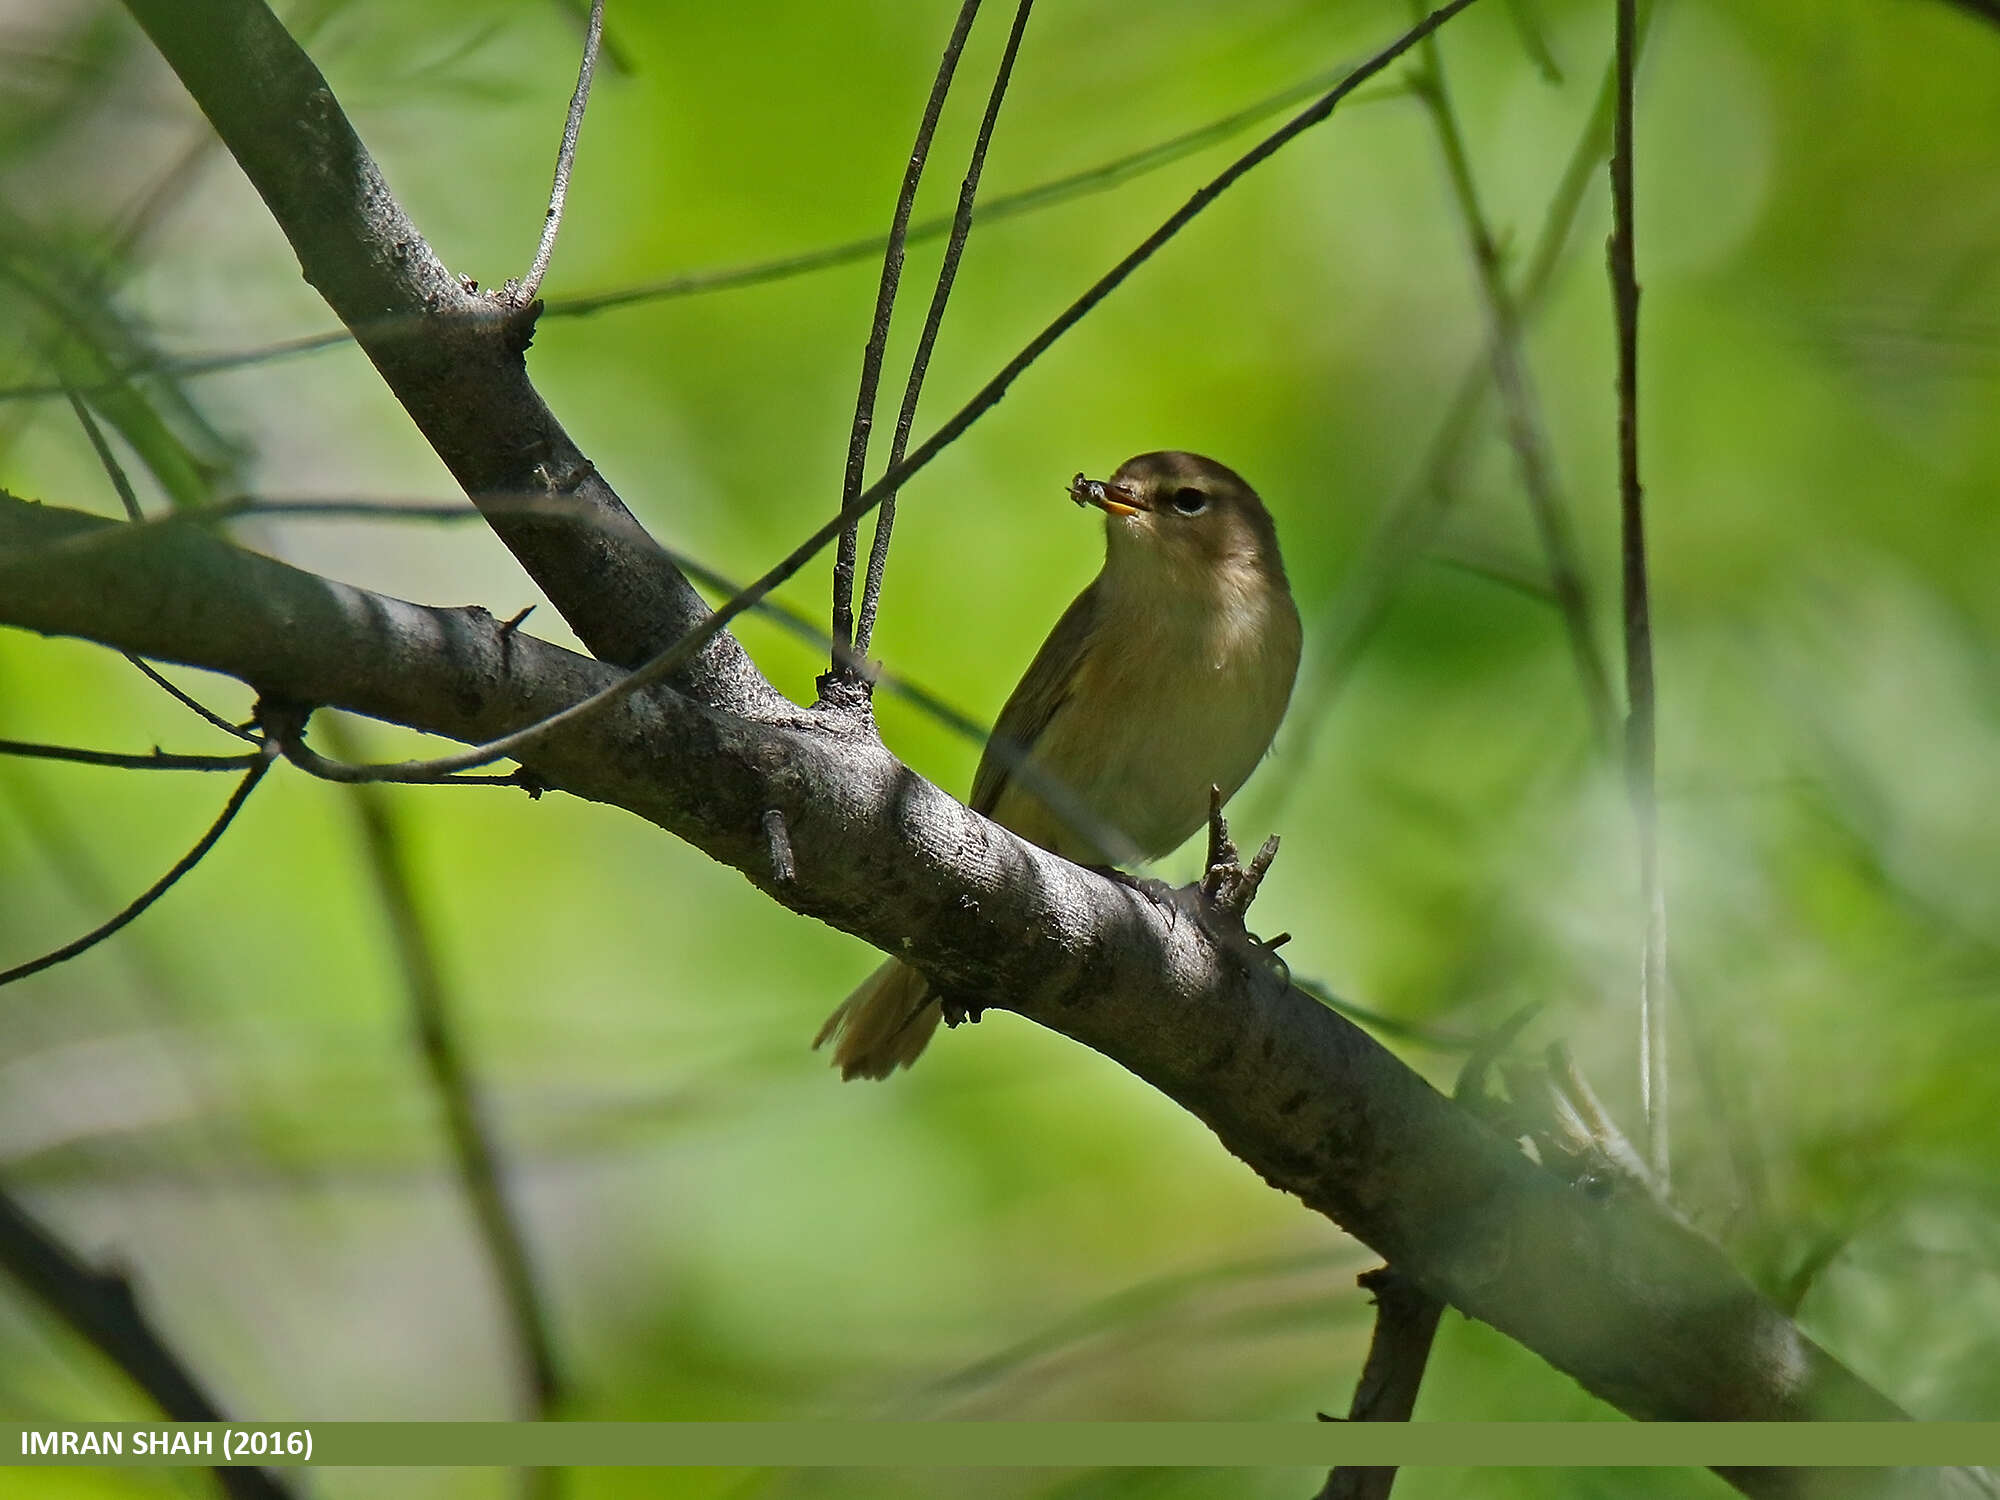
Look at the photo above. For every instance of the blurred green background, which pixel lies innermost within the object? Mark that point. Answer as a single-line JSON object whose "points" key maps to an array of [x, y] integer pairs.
{"points": [[227, 1101]]}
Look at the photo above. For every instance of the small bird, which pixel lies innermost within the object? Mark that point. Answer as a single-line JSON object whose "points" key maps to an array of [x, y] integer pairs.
{"points": [[1166, 677]]}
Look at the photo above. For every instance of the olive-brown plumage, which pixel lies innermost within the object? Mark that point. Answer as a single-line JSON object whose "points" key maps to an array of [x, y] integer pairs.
{"points": [[1166, 676]]}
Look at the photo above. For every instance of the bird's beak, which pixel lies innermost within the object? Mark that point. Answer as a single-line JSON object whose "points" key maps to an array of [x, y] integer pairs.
{"points": [[1113, 499]]}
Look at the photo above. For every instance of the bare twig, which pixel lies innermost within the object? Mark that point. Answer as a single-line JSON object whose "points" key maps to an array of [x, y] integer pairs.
{"points": [[615, 52], [1517, 396], [105, 456], [184, 366], [159, 887], [1406, 1320], [152, 205], [154, 760], [101, 1307], [878, 330], [187, 700], [1405, 531], [676, 655], [1640, 705], [115, 472], [1100, 178], [473, 1152], [1528, 27], [961, 227], [292, 745], [593, 37], [1094, 179]]}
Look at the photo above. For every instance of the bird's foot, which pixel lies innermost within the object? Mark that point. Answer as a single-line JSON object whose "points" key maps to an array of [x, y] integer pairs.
{"points": [[1171, 900], [1156, 891], [956, 1012]]}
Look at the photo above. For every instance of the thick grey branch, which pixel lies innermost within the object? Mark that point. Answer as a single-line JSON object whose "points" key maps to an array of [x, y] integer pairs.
{"points": [[453, 358], [1633, 1303]]}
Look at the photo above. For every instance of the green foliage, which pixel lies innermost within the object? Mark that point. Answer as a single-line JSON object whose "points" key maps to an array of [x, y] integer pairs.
{"points": [[227, 1096]]}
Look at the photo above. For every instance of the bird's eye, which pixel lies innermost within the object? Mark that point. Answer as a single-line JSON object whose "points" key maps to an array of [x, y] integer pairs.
{"points": [[1190, 501]]}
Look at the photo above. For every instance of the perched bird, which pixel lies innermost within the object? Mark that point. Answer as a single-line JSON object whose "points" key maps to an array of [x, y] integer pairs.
{"points": [[1167, 676]]}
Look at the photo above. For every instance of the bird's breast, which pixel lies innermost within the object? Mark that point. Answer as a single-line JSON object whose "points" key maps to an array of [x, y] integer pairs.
{"points": [[1165, 703]]}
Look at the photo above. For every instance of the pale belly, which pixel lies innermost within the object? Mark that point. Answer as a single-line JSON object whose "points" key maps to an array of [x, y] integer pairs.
{"points": [[1147, 732]]}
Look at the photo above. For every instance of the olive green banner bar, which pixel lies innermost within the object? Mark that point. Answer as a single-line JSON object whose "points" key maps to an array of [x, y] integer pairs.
{"points": [[1009, 1444]]}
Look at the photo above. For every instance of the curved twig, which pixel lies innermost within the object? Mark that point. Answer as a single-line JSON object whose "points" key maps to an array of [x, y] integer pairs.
{"points": [[159, 887], [593, 38]]}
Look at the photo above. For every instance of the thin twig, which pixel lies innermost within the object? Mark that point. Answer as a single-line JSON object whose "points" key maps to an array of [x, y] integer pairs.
{"points": [[878, 330], [188, 701], [185, 366], [293, 747], [1528, 27], [1099, 178], [473, 1151], [1102, 177], [615, 52], [676, 655], [115, 472], [159, 887], [1403, 534], [105, 456], [155, 200], [1406, 1320], [101, 1307], [155, 760], [1640, 704], [1517, 396], [593, 38], [961, 227]]}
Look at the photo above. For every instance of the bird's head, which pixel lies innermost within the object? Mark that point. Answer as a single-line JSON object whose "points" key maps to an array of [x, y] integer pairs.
{"points": [[1183, 515]]}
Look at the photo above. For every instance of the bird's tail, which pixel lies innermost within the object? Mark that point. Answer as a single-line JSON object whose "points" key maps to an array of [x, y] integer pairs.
{"points": [[883, 1025]]}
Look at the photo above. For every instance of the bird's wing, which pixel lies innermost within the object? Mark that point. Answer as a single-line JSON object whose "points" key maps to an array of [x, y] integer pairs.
{"points": [[1043, 689]]}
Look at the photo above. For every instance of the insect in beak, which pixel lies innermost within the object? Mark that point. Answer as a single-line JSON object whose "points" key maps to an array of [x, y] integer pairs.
{"points": [[1113, 499]]}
